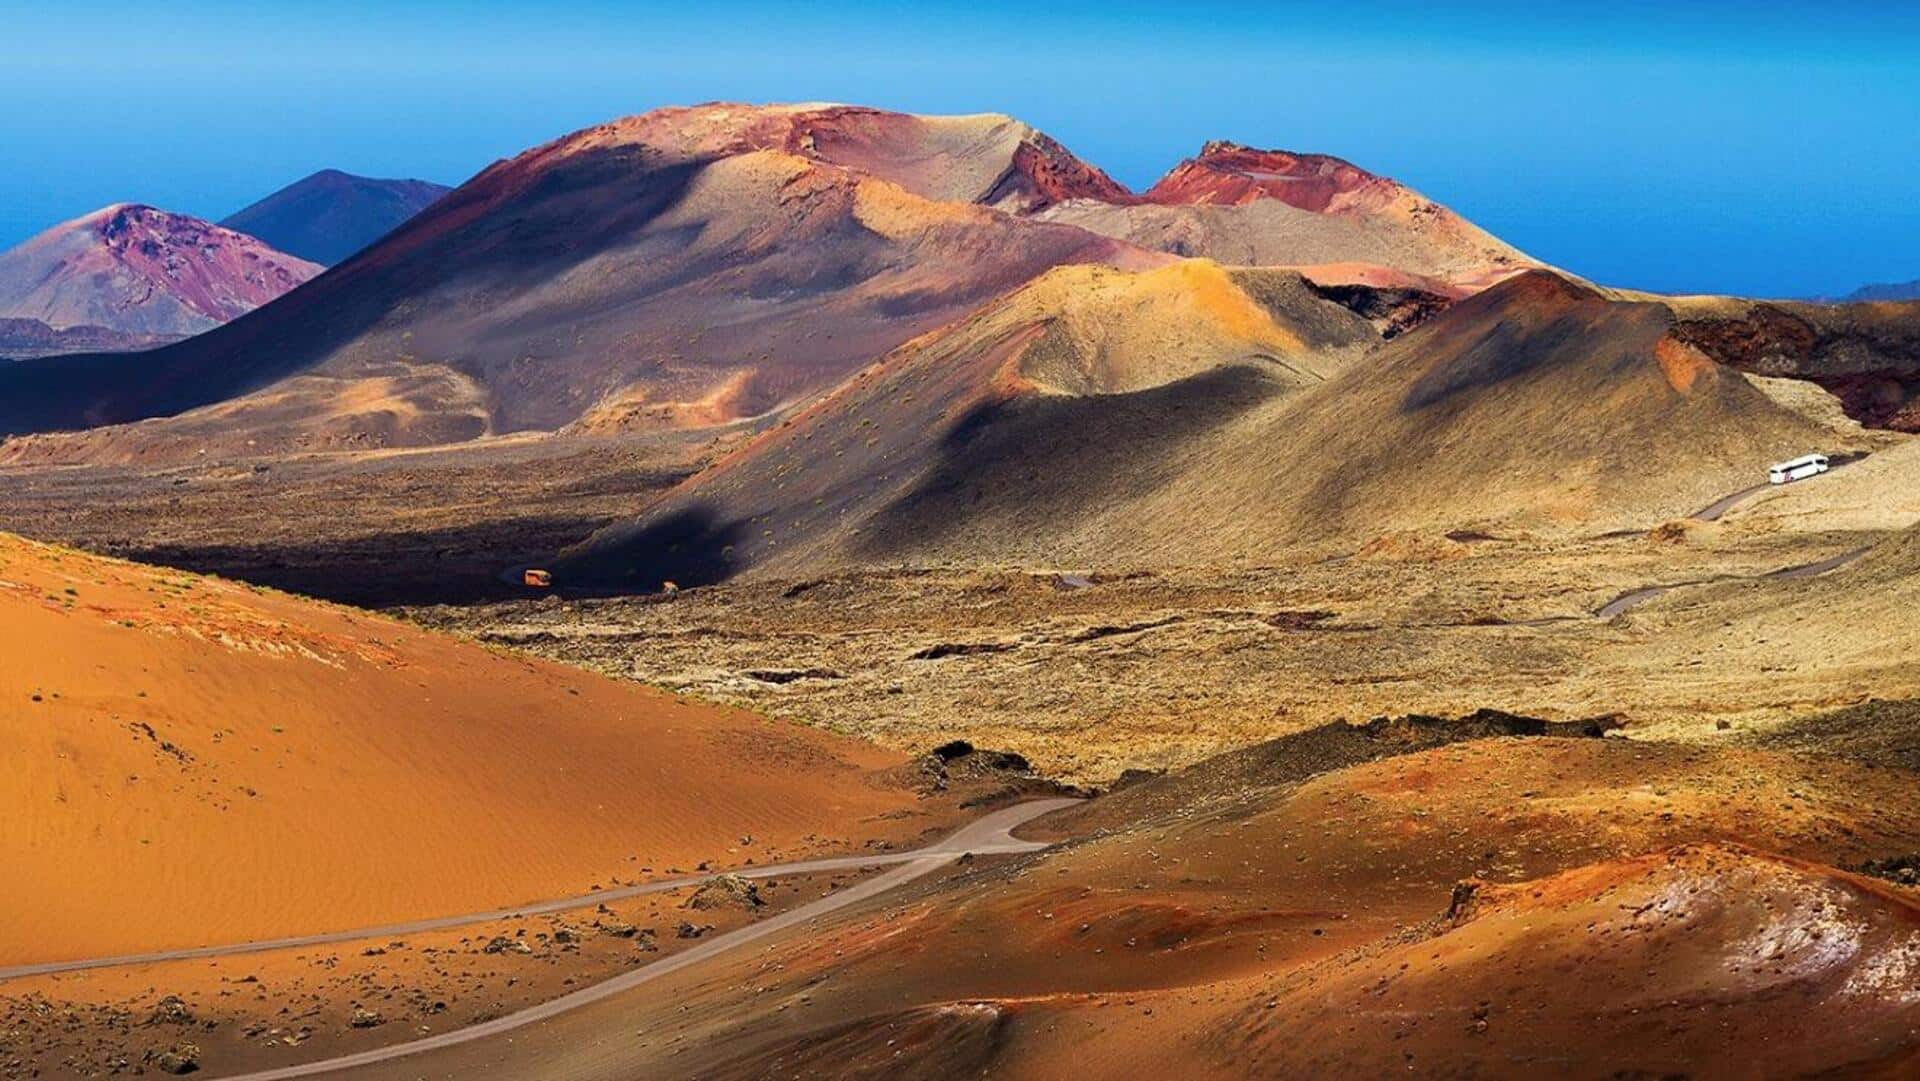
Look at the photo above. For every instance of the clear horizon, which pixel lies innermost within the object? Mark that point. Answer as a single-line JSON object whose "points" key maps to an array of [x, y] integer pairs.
{"points": [[1761, 150]]}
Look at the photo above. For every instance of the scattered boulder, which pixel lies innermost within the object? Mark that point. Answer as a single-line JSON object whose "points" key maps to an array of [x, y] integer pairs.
{"points": [[726, 891], [181, 1058], [170, 1010], [615, 927], [1904, 870], [503, 944], [365, 1018], [688, 930], [1133, 776]]}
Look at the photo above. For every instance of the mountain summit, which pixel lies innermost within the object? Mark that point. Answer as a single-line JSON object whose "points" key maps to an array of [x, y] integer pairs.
{"points": [[330, 215], [136, 270], [1241, 205]]}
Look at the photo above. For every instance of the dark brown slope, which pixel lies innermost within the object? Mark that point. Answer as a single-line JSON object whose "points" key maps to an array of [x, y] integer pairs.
{"points": [[1013, 425], [330, 215], [689, 266], [1538, 404], [1867, 355]]}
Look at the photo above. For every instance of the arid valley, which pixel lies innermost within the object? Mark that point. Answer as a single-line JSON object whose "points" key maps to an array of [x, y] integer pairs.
{"points": [[811, 590]]}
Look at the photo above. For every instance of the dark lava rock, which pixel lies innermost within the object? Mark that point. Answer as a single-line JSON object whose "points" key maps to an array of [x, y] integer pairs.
{"points": [[726, 891], [181, 1058]]}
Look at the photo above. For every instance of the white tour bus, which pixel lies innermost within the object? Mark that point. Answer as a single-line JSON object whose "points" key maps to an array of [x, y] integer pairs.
{"points": [[1804, 466]]}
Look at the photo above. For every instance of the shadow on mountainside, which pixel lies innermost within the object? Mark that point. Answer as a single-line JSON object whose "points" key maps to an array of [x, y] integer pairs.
{"points": [[1034, 463], [500, 233]]}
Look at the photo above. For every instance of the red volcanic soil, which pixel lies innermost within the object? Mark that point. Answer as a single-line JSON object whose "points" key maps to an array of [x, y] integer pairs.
{"points": [[1628, 910], [1239, 205], [189, 761], [1233, 174], [1704, 960], [138, 270]]}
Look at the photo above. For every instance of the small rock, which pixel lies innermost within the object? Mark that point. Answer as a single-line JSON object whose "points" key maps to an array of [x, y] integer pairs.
{"points": [[170, 1011], [181, 1058], [725, 891]]}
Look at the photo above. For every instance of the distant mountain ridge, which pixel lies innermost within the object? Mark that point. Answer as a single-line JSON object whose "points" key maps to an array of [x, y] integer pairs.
{"points": [[1886, 291], [704, 266], [22, 338], [330, 215], [137, 270]]}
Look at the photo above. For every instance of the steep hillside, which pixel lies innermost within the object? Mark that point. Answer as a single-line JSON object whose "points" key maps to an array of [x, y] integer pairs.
{"points": [[1867, 355], [689, 266], [1244, 206], [139, 271], [1538, 404], [330, 215], [1015, 423], [190, 761]]}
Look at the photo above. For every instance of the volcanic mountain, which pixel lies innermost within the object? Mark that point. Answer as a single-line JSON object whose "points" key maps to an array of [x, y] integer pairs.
{"points": [[1239, 205], [330, 215], [141, 272], [1886, 291], [688, 266], [190, 760], [1193, 415]]}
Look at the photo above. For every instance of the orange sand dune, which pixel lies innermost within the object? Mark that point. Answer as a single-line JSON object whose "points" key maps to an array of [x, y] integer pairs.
{"points": [[189, 760]]}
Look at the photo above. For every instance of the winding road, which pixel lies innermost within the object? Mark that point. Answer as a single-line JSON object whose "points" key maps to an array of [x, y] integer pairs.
{"points": [[1712, 512], [989, 834]]}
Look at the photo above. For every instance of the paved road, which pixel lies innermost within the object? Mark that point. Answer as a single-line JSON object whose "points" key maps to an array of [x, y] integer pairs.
{"points": [[1627, 602], [989, 834], [1713, 511], [986, 835]]}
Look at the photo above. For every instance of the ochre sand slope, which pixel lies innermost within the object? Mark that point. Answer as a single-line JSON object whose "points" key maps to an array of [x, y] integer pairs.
{"points": [[191, 761]]}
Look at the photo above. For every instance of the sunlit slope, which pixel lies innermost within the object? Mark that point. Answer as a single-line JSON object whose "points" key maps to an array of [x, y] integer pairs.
{"points": [[191, 761]]}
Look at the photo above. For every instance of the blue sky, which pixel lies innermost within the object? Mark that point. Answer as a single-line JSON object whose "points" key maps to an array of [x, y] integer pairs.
{"points": [[1751, 148]]}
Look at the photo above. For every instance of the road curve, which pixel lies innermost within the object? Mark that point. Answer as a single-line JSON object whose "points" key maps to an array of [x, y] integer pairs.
{"points": [[1713, 511], [988, 834], [992, 833], [1628, 601]]}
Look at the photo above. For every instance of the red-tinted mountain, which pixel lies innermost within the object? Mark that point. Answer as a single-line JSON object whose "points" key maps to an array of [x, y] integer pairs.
{"points": [[1239, 205], [1228, 173], [141, 271], [691, 266], [330, 215]]}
